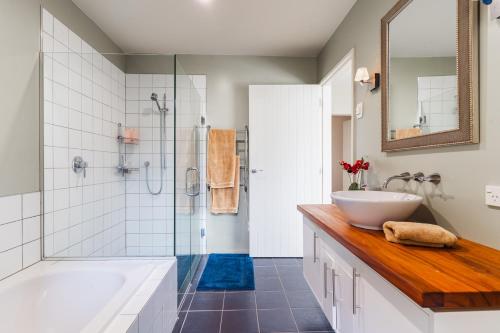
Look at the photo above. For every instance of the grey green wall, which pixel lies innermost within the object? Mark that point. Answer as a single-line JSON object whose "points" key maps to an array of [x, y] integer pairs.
{"points": [[458, 203], [69, 14], [228, 78], [404, 88], [19, 96]]}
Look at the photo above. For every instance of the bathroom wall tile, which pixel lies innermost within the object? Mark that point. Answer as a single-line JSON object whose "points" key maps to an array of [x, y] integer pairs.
{"points": [[74, 42], [11, 235], [60, 115], [60, 136], [31, 253], [31, 229], [60, 73], [48, 22], [11, 262], [10, 209], [60, 32], [31, 204]]}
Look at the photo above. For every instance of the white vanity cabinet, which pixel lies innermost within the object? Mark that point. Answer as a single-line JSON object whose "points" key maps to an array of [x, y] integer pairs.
{"points": [[357, 299], [353, 297]]}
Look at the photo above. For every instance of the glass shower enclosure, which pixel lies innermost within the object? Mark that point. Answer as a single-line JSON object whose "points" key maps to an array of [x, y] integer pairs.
{"points": [[122, 154]]}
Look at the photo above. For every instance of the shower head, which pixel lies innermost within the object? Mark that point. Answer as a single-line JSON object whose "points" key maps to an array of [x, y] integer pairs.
{"points": [[154, 98]]}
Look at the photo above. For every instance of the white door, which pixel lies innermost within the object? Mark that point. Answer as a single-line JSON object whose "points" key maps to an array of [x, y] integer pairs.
{"points": [[285, 164]]}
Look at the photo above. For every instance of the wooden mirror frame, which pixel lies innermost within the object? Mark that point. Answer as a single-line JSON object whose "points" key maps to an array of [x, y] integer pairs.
{"points": [[467, 76]]}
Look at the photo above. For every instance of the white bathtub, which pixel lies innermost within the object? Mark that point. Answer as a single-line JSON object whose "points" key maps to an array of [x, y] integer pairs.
{"points": [[91, 296]]}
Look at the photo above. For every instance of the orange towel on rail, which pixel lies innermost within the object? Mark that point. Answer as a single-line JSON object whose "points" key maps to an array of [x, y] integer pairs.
{"points": [[221, 158], [226, 200]]}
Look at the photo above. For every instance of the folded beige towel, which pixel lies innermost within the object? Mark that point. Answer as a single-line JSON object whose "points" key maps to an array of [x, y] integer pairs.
{"points": [[221, 158], [226, 200], [404, 133], [420, 234]]}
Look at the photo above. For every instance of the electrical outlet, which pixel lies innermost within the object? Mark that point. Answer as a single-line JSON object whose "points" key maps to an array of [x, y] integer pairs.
{"points": [[495, 9], [359, 111], [493, 195]]}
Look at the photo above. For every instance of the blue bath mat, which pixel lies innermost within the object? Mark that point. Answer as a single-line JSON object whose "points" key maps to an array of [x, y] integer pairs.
{"points": [[227, 272]]}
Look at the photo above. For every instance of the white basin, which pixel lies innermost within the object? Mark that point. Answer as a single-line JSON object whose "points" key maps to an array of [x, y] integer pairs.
{"points": [[370, 209]]}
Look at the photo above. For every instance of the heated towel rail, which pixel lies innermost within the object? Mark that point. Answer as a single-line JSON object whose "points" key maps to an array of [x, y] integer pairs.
{"points": [[242, 149]]}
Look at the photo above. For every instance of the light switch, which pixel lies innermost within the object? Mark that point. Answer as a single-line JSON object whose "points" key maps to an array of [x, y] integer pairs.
{"points": [[493, 195]]}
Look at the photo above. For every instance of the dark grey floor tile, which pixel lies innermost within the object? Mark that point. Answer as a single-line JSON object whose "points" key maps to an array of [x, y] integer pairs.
{"points": [[244, 321], [187, 302], [268, 284], [271, 300], [265, 272], [244, 300], [278, 320], [202, 321], [207, 301], [263, 262], [311, 320], [286, 261], [290, 271], [302, 299], [296, 283], [180, 321]]}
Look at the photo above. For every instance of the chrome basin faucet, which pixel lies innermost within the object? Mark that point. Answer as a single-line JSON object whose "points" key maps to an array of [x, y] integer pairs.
{"points": [[406, 176]]}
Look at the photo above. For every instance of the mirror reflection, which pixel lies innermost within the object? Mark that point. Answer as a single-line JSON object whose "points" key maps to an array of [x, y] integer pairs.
{"points": [[423, 69]]}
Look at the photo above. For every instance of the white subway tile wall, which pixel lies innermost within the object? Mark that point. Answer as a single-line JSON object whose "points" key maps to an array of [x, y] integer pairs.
{"points": [[104, 213], [150, 219], [19, 232], [84, 100]]}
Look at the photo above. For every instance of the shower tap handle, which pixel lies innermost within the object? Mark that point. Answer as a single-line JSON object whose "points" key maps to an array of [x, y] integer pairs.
{"points": [[79, 165]]}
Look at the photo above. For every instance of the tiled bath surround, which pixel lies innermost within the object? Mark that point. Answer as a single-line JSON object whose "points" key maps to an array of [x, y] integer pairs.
{"points": [[84, 100], [19, 232]]}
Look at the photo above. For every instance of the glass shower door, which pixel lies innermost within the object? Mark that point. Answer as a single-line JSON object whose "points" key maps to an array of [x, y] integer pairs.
{"points": [[187, 177]]}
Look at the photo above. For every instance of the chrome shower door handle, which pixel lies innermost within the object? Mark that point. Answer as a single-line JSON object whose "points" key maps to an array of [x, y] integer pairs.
{"points": [[78, 165], [197, 184]]}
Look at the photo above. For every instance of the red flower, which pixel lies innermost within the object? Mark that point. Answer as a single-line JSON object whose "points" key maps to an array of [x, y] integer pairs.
{"points": [[366, 166]]}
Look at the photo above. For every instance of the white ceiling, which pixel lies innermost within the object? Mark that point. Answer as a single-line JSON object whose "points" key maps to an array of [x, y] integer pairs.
{"points": [[426, 28], [221, 27]]}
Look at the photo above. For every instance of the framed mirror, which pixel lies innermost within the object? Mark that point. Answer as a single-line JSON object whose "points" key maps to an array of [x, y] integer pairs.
{"points": [[430, 74]]}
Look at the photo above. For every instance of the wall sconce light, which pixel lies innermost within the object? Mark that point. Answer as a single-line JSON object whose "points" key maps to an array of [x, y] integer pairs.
{"points": [[363, 77]]}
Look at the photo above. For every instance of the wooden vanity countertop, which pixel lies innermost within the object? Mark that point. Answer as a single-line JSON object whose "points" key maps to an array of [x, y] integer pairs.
{"points": [[464, 277]]}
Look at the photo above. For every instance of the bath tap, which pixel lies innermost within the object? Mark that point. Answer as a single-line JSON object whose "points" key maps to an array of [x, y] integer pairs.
{"points": [[406, 176]]}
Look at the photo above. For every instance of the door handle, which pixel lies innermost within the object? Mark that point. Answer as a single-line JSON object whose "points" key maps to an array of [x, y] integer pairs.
{"points": [[257, 170]]}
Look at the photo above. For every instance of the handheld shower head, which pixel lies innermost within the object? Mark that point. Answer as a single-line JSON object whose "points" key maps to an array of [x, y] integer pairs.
{"points": [[154, 98]]}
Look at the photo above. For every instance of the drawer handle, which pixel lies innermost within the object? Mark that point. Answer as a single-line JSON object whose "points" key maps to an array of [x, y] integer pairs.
{"points": [[334, 274], [315, 257], [325, 278], [355, 275]]}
